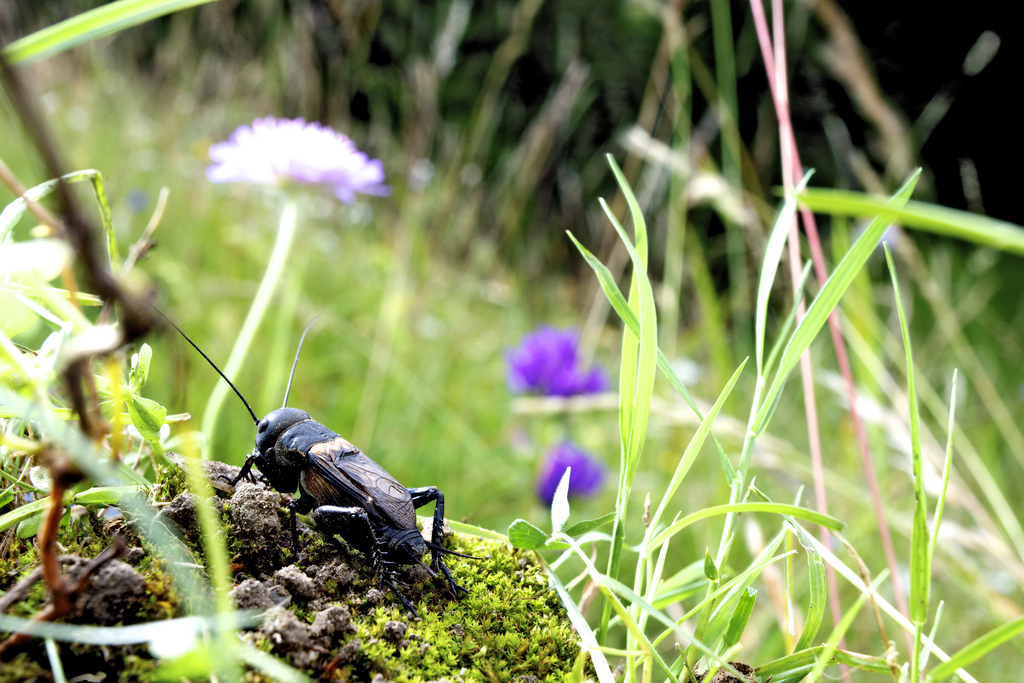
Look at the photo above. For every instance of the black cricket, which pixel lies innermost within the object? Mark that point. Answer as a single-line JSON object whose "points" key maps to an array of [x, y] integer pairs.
{"points": [[348, 494]]}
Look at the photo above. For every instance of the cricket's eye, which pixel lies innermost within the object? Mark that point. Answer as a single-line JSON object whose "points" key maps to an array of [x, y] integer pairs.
{"points": [[262, 426]]}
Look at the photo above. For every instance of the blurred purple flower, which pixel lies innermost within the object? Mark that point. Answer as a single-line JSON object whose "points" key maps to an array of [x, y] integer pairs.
{"points": [[280, 151], [584, 480], [546, 362]]}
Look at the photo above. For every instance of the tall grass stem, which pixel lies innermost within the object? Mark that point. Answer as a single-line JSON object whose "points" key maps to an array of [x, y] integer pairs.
{"points": [[260, 304]]}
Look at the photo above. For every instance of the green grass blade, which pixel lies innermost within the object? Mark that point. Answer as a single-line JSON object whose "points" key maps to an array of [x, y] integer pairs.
{"points": [[977, 649], [273, 667], [940, 504], [853, 577], [770, 266], [13, 212], [646, 312], [827, 300], [115, 636], [636, 375], [734, 586], [108, 222], [473, 530], [818, 594], [725, 599], [693, 449], [939, 220], [588, 641], [787, 324], [740, 617], [825, 656], [931, 635], [620, 588], [817, 589], [795, 667], [56, 666], [919, 565], [96, 23], [810, 516], [618, 302]]}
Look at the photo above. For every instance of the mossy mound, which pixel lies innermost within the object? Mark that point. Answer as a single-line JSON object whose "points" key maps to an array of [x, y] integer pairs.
{"points": [[324, 611]]}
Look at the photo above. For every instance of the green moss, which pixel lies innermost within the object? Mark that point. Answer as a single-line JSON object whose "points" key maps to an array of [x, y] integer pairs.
{"points": [[172, 481], [509, 625], [24, 668]]}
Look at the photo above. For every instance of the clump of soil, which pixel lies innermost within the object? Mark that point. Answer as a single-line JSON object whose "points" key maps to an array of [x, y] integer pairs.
{"points": [[723, 676], [115, 593]]}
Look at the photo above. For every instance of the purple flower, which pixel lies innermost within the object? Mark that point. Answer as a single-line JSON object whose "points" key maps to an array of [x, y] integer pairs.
{"points": [[546, 362], [281, 151], [584, 480]]}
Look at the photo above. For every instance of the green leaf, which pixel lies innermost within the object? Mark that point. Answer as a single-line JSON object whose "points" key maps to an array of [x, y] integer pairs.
{"points": [[920, 569], [639, 391], [710, 570], [96, 23], [817, 589], [148, 417], [30, 527], [140, 367], [940, 220], [618, 302], [522, 534], [18, 515], [740, 617], [825, 656], [730, 592], [580, 528], [5, 498], [560, 503], [827, 299]]}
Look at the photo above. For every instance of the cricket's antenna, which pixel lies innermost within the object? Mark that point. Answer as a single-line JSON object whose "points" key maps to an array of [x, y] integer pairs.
{"points": [[255, 420], [295, 362]]}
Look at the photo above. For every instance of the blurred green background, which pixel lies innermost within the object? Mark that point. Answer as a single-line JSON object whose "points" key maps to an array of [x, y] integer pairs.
{"points": [[492, 119]]}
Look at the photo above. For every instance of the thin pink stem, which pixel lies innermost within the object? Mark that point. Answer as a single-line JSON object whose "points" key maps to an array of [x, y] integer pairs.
{"points": [[775, 65], [771, 60]]}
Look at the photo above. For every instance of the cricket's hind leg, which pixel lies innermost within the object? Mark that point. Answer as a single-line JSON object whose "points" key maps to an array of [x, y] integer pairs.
{"points": [[353, 525], [420, 497]]}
